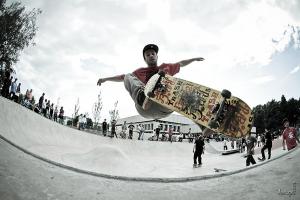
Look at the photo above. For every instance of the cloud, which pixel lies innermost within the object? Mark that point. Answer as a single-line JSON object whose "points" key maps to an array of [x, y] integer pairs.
{"points": [[295, 70], [263, 79], [80, 41]]}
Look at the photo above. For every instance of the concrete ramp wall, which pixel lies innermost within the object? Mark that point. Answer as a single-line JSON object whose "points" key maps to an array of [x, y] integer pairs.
{"points": [[110, 157], [116, 157]]}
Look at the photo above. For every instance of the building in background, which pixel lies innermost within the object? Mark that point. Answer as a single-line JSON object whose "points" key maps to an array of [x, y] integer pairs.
{"points": [[177, 123]]}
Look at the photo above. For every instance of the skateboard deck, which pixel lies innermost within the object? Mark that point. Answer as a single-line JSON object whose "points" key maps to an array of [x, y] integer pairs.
{"points": [[219, 170], [206, 106]]}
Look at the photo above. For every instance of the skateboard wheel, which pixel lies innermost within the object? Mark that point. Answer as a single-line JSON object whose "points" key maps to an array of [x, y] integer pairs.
{"points": [[213, 124], [226, 94], [150, 94], [162, 73]]}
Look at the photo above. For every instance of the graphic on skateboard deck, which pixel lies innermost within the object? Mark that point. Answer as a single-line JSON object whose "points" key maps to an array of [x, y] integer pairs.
{"points": [[208, 107]]}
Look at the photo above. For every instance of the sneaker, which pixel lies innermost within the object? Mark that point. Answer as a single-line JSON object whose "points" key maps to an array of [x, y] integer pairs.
{"points": [[142, 100]]}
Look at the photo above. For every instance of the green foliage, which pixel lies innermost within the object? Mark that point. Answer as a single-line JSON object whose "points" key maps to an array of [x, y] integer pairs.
{"points": [[69, 122], [75, 120], [271, 114], [18, 28], [89, 123], [114, 114], [97, 107]]}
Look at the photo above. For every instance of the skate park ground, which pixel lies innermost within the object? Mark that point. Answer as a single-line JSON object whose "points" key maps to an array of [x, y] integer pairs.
{"points": [[41, 159]]}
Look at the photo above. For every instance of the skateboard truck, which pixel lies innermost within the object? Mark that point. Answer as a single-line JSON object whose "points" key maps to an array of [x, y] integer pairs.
{"points": [[218, 109], [158, 85]]}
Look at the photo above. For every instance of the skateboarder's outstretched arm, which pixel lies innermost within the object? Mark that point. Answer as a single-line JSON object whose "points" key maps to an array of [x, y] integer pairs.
{"points": [[188, 61], [118, 78]]}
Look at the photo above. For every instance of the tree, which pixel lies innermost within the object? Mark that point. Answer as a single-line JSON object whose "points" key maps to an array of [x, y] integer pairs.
{"points": [[114, 114], [293, 111], [18, 28], [259, 119], [75, 114], [97, 107], [271, 114], [89, 123], [283, 107]]}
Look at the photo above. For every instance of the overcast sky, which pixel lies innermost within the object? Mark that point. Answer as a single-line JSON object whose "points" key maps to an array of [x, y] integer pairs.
{"points": [[251, 48]]}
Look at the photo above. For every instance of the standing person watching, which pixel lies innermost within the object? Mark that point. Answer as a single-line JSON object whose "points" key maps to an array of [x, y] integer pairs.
{"points": [[289, 136]]}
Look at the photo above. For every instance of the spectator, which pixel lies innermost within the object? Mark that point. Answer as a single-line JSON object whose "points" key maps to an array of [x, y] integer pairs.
{"points": [[28, 99], [29, 95], [123, 131], [289, 136], [225, 144], [239, 144], [251, 143], [198, 150], [170, 133], [130, 127], [113, 128], [232, 144], [41, 101], [104, 127], [84, 122], [6, 84], [47, 108], [61, 115], [258, 140], [44, 108], [157, 131], [191, 136], [51, 111], [18, 92], [55, 114], [13, 89], [243, 144], [18, 88], [141, 132], [80, 121]]}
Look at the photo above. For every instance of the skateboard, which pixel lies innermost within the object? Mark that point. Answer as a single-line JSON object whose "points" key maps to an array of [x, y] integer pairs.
{"points": [[219, 170], [218, 111], [230, 152]]}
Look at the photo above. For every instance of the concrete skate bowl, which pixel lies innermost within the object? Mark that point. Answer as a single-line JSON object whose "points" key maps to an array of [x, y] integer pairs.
{"points": [[80, 151], [102, 156]]}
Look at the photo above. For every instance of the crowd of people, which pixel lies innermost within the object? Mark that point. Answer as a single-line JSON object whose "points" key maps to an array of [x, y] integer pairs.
{"points": [[123, 133], [12, 90]]}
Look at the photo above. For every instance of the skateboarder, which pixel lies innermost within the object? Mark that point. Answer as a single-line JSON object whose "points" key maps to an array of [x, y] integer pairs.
{"points": [[198, 150], [267, 145], [135, 82], [289, 136], [251, 143]]}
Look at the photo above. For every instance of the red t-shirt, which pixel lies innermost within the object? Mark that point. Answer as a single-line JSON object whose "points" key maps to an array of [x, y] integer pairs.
{"points": [[289, 134], [144, 74]]}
